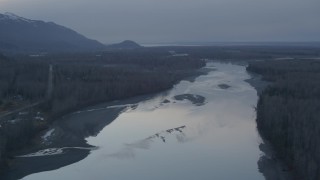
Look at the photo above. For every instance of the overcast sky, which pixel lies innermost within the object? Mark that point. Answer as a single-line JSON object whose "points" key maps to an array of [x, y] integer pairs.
{"points": [[178, 20]]}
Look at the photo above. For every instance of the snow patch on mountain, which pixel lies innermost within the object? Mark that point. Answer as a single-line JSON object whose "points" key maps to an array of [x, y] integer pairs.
{"points": [[11, 16]]}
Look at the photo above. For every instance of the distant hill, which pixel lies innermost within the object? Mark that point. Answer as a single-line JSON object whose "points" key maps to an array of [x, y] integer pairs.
{"points": [[18, 34], [128, 44]]}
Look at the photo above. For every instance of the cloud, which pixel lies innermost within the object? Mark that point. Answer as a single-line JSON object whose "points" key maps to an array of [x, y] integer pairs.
{"points": [[179, 20]]}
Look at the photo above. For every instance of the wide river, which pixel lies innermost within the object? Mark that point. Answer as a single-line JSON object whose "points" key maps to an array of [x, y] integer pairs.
{"points": [[167, 136]]}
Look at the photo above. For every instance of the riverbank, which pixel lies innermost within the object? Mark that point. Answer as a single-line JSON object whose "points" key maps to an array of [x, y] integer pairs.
{"points": [[288, 111], [271, 166], [80, 80], [66, 134], [64, 141]]}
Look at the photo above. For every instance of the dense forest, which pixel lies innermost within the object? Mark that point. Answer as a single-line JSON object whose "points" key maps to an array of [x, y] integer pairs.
{"points": [[78, 80], [86, 83], [288, 113], [82, 79], [21, 82]]}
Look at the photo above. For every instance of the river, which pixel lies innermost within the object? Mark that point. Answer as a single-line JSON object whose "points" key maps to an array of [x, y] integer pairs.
{"points": [[201, 129]]}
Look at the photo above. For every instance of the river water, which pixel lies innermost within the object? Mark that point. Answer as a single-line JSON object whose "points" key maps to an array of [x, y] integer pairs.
{"points": [[166, 137]]}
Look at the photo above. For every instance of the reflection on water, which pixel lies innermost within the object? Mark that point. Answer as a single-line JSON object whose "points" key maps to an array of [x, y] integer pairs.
{"points": [[166, 137], [128, 150]]}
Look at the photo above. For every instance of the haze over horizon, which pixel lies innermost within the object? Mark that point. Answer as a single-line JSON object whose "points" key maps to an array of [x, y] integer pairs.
{"points": [[151, 21]]}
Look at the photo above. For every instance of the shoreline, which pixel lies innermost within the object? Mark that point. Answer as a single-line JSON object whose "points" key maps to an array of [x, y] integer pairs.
{"points": [[272, 167], [80, 130], [68, 135]]}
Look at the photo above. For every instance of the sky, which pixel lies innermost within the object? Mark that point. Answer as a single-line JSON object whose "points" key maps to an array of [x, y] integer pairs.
{"points": [[161, 21]]}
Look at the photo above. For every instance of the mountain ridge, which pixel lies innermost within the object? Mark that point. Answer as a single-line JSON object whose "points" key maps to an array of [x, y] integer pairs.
{"points": [[19, 34]]}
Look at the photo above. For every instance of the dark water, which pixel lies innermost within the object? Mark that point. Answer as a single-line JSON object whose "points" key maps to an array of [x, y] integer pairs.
{"points": [[208, 134]]}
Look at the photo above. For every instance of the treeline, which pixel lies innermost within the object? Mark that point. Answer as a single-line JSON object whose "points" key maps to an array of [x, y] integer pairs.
{"points": [[245, 52], [288, 113], [218, 52], [146, 58]]}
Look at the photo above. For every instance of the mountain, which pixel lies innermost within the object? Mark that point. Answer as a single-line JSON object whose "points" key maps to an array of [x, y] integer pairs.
{"points": [[128, 44], [18, 34]]}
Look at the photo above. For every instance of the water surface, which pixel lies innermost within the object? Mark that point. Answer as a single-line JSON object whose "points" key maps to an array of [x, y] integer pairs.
{"points": [[165, 138]]}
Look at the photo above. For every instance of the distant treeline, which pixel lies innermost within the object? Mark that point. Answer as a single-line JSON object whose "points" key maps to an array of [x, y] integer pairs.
{"points": [[220, 52], [288, 113], [244, 52]]}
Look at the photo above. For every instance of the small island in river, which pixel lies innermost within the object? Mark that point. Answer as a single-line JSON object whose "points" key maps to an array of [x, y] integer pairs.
{"points": [[195, 99]]}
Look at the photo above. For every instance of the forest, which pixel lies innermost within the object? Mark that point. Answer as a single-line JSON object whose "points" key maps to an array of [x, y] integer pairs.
{"points": [[83, 79], [84, 84], [21, 82], [288, 113]]}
